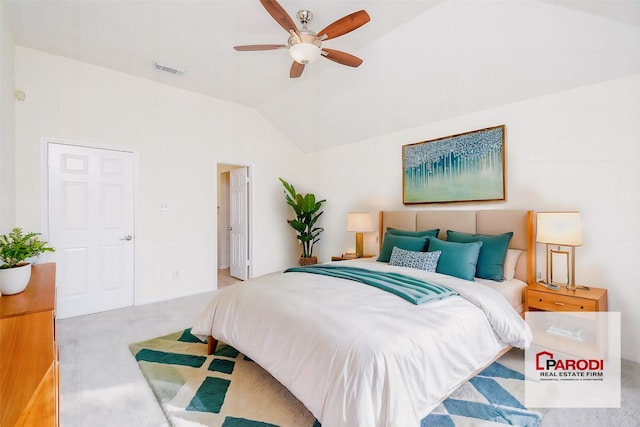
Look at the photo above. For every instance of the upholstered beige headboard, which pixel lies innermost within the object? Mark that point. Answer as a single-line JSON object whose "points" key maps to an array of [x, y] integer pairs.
{"points": [[520, 222]]}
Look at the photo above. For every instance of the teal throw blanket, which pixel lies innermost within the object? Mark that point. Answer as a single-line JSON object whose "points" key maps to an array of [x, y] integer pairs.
{"points": [[413, 290]]}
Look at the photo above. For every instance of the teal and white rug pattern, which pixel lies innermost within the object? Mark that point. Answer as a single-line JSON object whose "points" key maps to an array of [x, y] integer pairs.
{"points": [[488, 399], [228, 389]]}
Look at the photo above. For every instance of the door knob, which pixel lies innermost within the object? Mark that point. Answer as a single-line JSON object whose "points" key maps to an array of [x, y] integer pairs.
{"points": [[127, 238], [230, 228]]}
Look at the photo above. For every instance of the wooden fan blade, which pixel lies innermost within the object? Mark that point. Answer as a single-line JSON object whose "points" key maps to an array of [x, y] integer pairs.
{"points": [[345, 25], [281, 16], [341, 57], [251, 47], [296, 70]]}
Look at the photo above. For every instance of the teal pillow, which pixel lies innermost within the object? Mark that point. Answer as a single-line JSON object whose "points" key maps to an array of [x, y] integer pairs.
{"points": [[421, 233], [403, 242], [492, 254], [456, 259]]}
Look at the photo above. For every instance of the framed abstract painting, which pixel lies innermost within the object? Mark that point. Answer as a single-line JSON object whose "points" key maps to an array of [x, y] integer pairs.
{"points": [[467, 167]]}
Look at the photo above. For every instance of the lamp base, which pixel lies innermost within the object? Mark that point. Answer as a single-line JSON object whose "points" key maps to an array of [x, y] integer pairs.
{"points": [[359, 245]]}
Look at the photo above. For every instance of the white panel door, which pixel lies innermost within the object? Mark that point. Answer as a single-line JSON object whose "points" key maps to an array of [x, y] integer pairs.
{"points": [[91, 226], [238, 223]]}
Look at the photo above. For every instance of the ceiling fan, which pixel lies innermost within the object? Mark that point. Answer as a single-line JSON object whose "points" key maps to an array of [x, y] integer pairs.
{"points": [[304, 45]]}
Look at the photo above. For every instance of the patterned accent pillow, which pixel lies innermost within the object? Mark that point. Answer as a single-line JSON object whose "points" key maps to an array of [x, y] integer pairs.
{"points": [[427, 261]]}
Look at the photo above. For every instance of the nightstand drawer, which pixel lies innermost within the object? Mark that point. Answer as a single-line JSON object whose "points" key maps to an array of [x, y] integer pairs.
{"points": [[550, 302]]}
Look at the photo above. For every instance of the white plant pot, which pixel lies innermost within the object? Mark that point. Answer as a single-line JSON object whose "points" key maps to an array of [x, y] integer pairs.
{"points": [[14, 280]]}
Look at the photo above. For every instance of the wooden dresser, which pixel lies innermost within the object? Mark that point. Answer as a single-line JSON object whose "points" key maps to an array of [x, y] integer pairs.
{"points": [[29, 353]]}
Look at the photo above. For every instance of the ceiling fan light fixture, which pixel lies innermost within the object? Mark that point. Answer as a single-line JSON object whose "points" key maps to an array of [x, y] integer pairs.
{"points": [[304, 45], [304, 53]]}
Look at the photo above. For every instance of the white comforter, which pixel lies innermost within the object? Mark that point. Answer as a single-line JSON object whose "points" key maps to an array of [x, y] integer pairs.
{"points": [[357, 356]]}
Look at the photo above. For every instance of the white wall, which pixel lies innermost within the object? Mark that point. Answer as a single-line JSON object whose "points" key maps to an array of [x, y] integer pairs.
{"points": [[180, 137], [575, 150], [7, 141]]}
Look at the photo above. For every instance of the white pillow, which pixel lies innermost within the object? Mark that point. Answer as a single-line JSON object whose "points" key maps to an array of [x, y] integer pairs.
{"points": [[510, 262]]}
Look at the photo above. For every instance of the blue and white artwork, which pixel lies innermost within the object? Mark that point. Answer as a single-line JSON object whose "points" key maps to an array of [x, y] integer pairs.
{"points": [[459, 168]]}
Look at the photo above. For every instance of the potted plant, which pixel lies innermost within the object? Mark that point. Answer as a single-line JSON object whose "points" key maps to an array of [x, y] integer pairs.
{"points": [[15, 249], [307, 210]]}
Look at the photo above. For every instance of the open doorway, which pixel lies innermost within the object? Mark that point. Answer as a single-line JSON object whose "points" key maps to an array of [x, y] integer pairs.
{"points": [[234, 228]]}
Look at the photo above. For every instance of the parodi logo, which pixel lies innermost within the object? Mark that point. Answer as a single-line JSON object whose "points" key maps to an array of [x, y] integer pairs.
{"points": [[576, 369]]}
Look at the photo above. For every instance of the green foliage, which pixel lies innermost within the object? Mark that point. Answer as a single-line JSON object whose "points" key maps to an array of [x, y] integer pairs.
{"points": [[307, 210], [17, 247]]}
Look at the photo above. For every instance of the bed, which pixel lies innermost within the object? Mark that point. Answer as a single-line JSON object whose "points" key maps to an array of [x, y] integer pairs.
{"points": [[355, 355]]}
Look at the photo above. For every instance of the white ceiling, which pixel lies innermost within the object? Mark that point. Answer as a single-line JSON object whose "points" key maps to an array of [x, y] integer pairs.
{"points": [[423, 60]]}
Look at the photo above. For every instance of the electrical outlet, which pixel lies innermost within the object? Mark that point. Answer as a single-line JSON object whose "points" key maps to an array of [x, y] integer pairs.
{"points": [[176, 274]]}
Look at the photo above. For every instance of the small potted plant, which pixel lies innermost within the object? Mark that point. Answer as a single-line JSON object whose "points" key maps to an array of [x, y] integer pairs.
{"points": [[15, 249], [307, 210]]}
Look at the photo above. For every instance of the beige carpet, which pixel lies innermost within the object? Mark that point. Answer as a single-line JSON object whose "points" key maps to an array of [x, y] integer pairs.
{"points": [[101, 384]]}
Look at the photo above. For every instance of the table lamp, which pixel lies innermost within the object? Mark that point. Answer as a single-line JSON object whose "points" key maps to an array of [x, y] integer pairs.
{"points": [[560, 229], [360, 222]]}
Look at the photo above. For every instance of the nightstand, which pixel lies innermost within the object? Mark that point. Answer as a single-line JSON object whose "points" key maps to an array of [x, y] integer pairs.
{"points": [[581, 331], [540, 298], [349, 255]]}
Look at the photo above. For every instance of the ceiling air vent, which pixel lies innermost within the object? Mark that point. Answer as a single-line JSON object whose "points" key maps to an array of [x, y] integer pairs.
{"points": [[169, 69]]}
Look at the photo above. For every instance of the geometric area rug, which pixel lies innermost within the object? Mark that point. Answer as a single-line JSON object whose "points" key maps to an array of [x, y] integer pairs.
{"points": [[228, 389], [491, 398]]}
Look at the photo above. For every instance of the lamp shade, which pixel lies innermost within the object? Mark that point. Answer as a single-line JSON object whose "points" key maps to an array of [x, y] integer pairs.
{"points": [[559, 228], [360, 222], [304, 53]]}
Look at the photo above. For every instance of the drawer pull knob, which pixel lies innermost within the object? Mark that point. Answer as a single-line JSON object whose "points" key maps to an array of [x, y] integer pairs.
{"points": [[558, 303], [540, 299]]}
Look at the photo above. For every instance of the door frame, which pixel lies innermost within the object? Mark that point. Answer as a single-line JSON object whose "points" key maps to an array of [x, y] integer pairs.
{"points": [[44, 192], [223, 219], [250, 210]]}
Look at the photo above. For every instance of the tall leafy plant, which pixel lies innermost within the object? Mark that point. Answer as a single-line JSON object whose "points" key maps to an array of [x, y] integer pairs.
{"points": [[16, 247], [307, 210]]}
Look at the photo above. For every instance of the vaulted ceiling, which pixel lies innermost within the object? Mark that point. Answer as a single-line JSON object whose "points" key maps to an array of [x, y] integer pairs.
{"points": [[423, 60]]}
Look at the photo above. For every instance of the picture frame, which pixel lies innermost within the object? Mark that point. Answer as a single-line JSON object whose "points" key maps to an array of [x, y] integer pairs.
{"points": [[467, 167]]}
